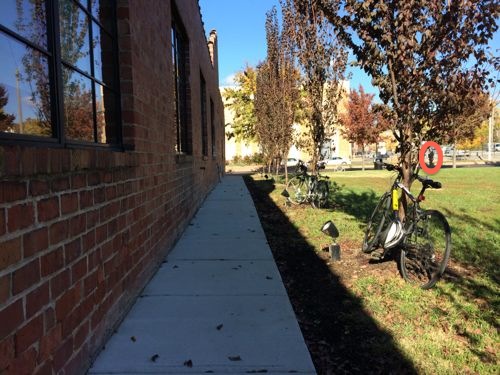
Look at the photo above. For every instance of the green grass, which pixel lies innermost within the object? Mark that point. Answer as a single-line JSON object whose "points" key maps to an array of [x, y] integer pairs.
{"points": [[452, 328], [468, 199]]}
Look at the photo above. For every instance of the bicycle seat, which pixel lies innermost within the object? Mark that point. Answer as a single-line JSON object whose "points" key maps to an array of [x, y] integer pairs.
{"points": [[428, 183]]}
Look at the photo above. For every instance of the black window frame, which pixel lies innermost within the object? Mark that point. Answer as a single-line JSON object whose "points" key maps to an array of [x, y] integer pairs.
{"points": [[212, 128], [181, 86], [203, 111], [55, 65]]}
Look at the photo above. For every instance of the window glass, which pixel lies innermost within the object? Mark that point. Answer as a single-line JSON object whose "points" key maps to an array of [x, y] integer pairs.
{"points": [[179, 58], [27, 18], [74, 35], [102, 44], [78, 107], [24, 89], [85, 83], [212, 127], [105, 115], [102, 10], [203, 106]]}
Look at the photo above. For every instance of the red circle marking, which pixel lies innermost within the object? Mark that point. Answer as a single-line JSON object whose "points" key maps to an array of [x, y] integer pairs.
{"points": [[421, 157]]}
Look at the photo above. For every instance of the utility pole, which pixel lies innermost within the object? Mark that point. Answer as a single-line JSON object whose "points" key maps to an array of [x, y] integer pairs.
{"points": [[490, 131], [19, 104]]}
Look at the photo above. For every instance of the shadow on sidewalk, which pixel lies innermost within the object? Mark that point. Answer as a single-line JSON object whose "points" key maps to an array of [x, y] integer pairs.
{"points": [[340, 335]]}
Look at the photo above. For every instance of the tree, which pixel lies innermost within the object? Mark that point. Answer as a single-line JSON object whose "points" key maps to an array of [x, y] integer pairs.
{"points": [[475, 109], [276, 94], [322, 59], [6, 120], [362, 124], [421, 54], [240, 100]]}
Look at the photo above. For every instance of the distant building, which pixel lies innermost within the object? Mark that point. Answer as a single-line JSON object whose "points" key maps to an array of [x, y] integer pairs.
{"points": [[236, 149], [335, 145], [107, 149]]}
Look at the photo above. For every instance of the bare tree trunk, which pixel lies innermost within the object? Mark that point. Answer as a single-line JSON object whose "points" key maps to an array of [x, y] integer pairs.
{"points": [[454, 156], [286, 174], [406, 165], [363, 157]]}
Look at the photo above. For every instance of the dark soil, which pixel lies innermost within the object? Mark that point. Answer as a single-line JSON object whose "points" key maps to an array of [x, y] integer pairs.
{"points": [[341, 336]]}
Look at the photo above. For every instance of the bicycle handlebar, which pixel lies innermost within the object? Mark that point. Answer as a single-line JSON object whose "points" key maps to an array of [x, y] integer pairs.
{"points": [[427, 182], [392, 167], [302, 169]]}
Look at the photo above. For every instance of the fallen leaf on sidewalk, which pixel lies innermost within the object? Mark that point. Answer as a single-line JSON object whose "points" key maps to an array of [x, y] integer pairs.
{"points": [[219, 327], [154, 358], [188, 363], [235, 358], [133, 339], [269, 277]]}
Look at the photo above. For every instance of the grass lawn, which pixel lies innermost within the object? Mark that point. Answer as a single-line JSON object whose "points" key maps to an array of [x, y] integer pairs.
{"points": [[452, 328]]}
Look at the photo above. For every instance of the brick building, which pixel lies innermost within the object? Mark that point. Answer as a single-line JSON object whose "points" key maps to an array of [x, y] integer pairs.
{"points": [[111, 135]]}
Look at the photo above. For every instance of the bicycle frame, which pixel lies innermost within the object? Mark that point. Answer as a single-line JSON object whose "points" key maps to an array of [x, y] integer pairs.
{"points": [[310, 181], [416, 210], [414, 232]]}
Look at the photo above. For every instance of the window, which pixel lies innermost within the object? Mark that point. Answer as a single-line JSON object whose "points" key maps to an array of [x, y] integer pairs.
{"points": [[212, 127], [203, 108], [180, 70], [61, 89]]}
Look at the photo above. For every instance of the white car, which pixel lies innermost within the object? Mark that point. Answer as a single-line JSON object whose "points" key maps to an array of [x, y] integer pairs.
{"points": [[291, 162], [338, 162]]}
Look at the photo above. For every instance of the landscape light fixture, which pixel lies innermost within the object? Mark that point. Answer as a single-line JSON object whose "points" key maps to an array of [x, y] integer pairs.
{"points": [[331, 230]]}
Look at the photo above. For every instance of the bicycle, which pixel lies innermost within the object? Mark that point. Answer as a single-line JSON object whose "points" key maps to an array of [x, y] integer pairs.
{"points": [[304, 187], [423, 236]]}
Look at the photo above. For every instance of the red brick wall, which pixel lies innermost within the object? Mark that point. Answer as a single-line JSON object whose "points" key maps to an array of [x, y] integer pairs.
{"points": [[83, 230]]}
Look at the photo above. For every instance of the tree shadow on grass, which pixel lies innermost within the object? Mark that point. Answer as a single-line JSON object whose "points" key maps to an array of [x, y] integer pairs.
{"points": [[471, 289], [471, 256], [358, 205], [341, 336], [479, 250]]}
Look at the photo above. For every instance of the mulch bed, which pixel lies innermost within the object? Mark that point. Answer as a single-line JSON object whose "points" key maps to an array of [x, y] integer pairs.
{"points": [[340, 334]]}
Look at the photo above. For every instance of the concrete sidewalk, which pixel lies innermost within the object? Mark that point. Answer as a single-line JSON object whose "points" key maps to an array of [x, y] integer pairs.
{"points": [[218, 305]]}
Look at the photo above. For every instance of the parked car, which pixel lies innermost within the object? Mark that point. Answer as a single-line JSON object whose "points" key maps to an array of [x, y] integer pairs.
{"points": [[338, 162], [380, 157], [448, 151], [497, 147], [319, 165], [291, 162], [458, 154]]}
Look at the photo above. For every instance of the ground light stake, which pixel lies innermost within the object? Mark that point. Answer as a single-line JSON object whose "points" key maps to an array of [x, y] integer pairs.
{"points": [[331, 230]]}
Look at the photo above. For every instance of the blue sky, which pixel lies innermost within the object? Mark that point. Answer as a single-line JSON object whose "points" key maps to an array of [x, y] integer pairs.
{"points": [[242, 37], [240, 31]]}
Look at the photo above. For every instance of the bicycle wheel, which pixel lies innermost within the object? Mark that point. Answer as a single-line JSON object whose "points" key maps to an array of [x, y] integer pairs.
{"points": [[321, 195], [376, 223], [297, 190], [425, 255]]}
